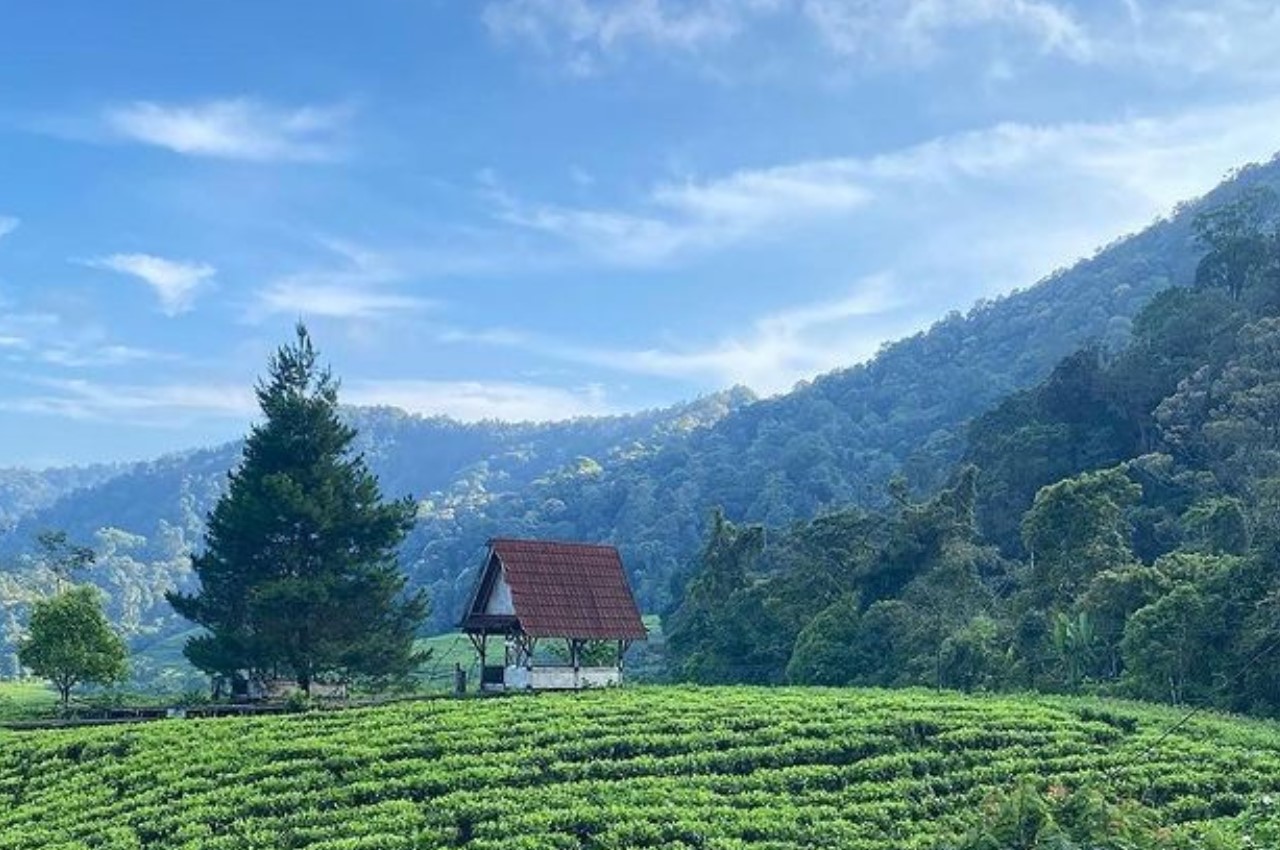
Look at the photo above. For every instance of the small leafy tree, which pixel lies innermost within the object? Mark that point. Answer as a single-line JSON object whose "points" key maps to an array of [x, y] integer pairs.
{"points": [[70, 643]]}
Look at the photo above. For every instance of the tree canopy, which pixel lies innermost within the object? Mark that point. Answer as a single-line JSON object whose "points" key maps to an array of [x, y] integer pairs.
{"points": [[299, 573], [70, 643]]}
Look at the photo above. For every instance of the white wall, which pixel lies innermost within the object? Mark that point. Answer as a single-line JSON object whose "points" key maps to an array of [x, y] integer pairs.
{"points": [[499, 601]]}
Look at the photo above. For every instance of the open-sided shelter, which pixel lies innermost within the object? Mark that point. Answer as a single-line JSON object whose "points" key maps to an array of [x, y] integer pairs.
{"points": [[536, 590]]}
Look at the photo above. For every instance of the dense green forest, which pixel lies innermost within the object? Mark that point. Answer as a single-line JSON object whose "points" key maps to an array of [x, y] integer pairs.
{"points": [[144, 521], [647, 482], [1115, 528]]}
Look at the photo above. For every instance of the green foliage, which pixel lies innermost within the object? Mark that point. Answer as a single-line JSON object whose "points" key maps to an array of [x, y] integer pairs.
{"points": [[1144, 488], [1058, 819], [299, 572], [1242, 248], [70, 643], [1075, 529], [822, 652], [832, 443], [794, 609], [669, 767], [706, 636]]}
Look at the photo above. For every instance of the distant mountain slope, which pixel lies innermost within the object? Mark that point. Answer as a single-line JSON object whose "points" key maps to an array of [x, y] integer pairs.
{"points": [[144, 518], [838, 440], [648, 481], [23, 491]]}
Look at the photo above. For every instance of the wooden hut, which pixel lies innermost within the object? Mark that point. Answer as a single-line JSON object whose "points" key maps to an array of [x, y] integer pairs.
{"points": [[536, 591]]}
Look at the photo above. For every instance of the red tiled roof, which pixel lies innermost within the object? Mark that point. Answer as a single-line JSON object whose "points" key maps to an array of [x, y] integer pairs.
{"points": [[575, 590]]}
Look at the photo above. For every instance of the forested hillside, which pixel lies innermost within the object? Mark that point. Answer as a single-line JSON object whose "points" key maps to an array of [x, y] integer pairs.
{"points": [[1113, 529], [25, 491], [143, 521], [649, 482], [838, 440]]}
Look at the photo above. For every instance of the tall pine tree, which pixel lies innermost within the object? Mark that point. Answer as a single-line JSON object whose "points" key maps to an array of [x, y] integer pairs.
{"points": [[299, 575]]}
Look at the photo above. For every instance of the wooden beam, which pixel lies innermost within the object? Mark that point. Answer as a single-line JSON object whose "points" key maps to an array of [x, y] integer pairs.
{"points": [[480, 642]]}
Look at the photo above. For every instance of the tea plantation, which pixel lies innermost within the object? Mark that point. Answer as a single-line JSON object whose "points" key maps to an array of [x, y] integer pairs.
{"points": [[643, 767]]}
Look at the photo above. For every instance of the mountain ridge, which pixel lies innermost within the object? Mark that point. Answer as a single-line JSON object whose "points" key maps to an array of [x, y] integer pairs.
{"points": [[647, 481]]}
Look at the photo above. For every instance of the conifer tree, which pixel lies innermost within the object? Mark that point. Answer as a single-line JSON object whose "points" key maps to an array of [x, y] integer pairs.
{"points": [[299, 574]]}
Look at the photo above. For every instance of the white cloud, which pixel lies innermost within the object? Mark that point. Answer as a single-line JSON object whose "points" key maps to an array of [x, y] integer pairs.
{"points": [[354, 289], [937, 225], [31, 339], [1235, 38], [240, 128], [177, 405], [582, 32], [1129, 170], [696, 215], [778, 349], [1232, 38], [8, 224], [585, 30], [74, 356], [301, 297], [912, 31], [472, 401], [176, 283], [168, 405]]}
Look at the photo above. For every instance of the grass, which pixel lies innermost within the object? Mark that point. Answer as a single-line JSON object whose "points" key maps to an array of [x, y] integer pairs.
{"points": [[22, 700], [671, 767]]}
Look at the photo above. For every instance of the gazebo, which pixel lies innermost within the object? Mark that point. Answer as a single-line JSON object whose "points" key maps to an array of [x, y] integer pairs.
{"points": [[535, 590]]}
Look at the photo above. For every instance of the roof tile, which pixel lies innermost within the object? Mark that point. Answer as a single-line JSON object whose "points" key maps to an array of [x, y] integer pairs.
{"points": [[576, 590]]}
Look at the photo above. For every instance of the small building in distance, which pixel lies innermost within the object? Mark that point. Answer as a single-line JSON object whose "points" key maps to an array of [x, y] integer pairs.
{"points": [[533, 593]]}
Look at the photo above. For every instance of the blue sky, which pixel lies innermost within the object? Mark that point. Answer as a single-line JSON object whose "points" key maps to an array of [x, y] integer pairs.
{"points": [[546, 208]]}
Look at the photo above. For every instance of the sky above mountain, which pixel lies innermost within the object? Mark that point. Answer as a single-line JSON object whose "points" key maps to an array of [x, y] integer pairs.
{"points": [[533, 209]]}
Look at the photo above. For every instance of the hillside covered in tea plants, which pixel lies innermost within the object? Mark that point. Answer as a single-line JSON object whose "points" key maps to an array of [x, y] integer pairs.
{"points": [[647, 767]]}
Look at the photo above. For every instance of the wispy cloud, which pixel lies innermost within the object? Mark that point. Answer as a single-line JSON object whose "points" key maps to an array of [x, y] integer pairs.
{"points": [[8, 224], [937, 225], [1130, 170], [79, 356], [585, 30], [239, 128], [167, 405], [301, 297], [354, 288], [914, 31], [1232, 37], [473, 401], [690, 215], [777, 349], [176, 283], [30, 339], [177, 405]]}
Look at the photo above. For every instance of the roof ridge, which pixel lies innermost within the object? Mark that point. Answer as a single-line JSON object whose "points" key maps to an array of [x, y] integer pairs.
{"points": [[566, 588], [547, 542]]}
